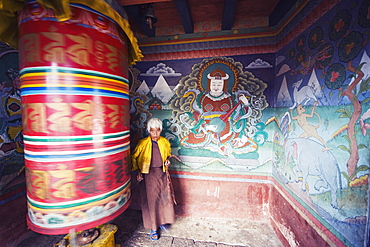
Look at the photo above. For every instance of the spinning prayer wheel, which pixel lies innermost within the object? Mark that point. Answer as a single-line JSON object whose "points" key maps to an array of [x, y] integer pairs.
{"points": [[75, 98]]}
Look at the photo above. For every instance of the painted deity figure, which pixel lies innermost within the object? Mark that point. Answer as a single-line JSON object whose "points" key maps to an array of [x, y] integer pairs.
{"points": [[218, 114]]}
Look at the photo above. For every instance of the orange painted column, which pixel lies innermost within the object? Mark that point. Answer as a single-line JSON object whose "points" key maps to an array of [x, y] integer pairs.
{"points": [[74, 90]]}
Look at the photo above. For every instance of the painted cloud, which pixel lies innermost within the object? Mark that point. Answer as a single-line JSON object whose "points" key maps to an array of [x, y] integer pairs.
{"points": [[259, 63], [160, 69]]}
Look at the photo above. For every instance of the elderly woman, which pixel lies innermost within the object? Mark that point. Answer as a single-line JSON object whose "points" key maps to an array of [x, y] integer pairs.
{"points": [[150, 157]]}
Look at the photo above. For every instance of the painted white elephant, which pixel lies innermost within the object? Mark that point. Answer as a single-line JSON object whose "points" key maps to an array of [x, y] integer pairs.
{"points": [[311, 160]]}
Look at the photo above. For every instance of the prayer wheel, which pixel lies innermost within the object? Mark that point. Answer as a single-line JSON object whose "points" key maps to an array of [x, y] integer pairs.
{"points": [[75, 99]]}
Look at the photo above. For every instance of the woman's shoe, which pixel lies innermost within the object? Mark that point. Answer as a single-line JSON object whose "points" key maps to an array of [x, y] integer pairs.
{"points": [[153, 235], [164, 228]]}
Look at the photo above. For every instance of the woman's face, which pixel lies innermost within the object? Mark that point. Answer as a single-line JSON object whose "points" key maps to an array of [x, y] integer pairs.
{"points": [[155, 133]]}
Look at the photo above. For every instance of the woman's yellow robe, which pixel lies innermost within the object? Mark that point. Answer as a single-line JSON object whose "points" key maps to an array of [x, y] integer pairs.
{"points": [[142, 155]]}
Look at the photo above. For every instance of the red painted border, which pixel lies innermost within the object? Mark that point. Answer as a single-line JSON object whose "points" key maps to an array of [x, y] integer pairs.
{"points": [[304, 211]]}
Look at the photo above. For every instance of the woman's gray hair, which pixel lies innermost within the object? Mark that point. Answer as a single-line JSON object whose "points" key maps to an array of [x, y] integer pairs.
{"points": [[154, 123]]}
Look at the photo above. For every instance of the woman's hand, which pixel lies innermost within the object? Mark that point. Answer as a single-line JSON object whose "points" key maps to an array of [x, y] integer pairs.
{"points": [[167, 163], [139, 176]]}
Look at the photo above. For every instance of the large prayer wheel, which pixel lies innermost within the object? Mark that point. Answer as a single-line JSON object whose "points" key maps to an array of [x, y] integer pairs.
{"points": [[75, 99]]}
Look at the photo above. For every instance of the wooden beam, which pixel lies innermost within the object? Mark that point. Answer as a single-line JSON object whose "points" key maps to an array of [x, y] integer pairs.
{"points": [[134, 2], [136, 13], [183, 9], [229, 14], [281, 9]]}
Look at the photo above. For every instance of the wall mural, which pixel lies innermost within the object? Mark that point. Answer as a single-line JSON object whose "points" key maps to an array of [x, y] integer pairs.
{"points": [[11, 139], [218, 106], [308, 125], [322, 118], [211, 116]]}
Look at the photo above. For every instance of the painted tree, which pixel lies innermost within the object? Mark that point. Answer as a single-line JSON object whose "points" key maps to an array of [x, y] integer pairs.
{"points": [[346, 44], [351, 43]]}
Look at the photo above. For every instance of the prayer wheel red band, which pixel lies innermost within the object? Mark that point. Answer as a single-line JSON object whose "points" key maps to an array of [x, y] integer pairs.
{"points": [[75, 99]]}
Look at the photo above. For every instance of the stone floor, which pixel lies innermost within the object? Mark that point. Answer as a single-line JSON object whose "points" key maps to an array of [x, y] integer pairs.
{"points": [[209, 232], [185, 232]]}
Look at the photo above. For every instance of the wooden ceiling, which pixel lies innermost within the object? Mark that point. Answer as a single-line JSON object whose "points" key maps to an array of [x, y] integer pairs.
{"points": [[187, 13]]}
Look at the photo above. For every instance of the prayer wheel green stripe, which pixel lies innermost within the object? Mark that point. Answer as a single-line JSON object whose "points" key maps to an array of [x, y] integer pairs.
{"points": [[71, 138], [76, 204]]}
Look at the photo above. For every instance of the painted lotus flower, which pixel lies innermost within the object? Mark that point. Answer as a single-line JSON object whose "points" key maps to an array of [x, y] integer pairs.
{"points": [[315, 37], [335, 76], [301, 42], [300, 57], [339, 25], [350, 46]]}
